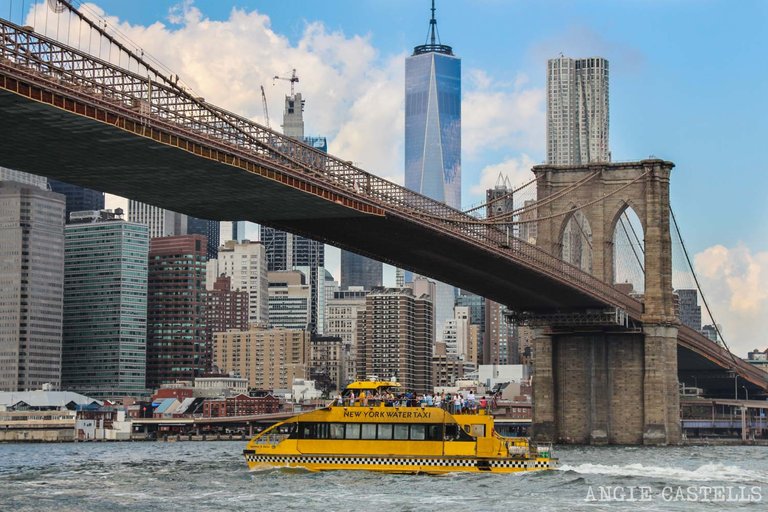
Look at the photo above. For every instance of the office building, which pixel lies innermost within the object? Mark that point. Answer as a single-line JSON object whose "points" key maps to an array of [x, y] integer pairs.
{"points": [[245, 263], [161, 222], [289, 300], [689, 309], [433, 136], [577, 111], [433, 121], [286, 251], [326, 363], [105, 305], [270, 358], [226, 308], [447, 368], [476, 305], [211, 229], [238, 231], [36, 181], [498, 344], [358, 270], [341, 321], [500, 205], [79, 199], [178, 347], [395, 338], [31, 286]]}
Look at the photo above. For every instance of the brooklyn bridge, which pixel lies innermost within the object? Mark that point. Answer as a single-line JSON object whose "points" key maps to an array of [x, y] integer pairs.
{"points": [[606, 364]]}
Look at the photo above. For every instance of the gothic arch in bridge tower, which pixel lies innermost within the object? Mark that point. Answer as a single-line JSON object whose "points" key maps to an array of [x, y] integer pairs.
{"points": [[575, 240], [603, 192], [627, 257]]}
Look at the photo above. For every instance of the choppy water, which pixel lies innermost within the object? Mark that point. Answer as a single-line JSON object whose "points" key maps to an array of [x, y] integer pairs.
{"points": [[202, 476]]}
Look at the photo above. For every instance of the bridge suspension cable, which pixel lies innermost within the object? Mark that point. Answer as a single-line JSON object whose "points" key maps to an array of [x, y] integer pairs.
{"points": [[500, 219], [500, 198], [698, 287]]}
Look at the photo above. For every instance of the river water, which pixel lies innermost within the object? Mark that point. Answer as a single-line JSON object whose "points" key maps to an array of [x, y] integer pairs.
{"points": [[202, 476]]}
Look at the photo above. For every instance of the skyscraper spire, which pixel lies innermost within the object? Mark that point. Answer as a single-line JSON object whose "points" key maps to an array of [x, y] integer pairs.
{"points": [[433, 25], [433, 38]]}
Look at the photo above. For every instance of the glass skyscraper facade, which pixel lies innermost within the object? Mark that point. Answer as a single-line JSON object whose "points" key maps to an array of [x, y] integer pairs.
{"points": [[211, 229], [357, 270], [78, 198], [105, 307], [433, 136], [433, 123], [31, 286]]}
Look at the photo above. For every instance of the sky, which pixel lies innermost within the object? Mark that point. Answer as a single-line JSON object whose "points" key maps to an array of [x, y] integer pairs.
{"points": [[688, 82]]}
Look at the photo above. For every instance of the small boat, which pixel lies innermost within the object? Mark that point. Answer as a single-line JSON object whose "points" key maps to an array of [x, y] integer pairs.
{"points": [[382, 435]]}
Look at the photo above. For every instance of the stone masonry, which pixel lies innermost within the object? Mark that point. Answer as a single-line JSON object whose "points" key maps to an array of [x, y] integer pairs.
{"points": [[598, 385]]}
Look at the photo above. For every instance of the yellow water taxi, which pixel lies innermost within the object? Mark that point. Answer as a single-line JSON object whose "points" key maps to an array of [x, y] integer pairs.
{"points": [[381, 435]]}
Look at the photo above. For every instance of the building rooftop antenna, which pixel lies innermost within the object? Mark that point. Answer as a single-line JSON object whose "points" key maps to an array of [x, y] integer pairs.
{"points": [[433, 44], [294, 78], [433, 25]]}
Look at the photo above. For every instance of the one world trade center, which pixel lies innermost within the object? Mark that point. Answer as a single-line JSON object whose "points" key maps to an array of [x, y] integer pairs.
{"points": [[433, 135]]}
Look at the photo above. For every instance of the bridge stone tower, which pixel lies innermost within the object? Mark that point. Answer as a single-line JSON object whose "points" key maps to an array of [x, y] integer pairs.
{"points": [[609, 384]]}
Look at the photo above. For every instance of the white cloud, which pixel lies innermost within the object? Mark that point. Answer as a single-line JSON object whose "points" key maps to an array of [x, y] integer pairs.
{"points": [[502, 116], [735, 283], [517, 170], [354, 97]]}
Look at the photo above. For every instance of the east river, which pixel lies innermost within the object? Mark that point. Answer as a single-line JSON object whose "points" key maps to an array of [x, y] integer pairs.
{"points": [[202, 476]]}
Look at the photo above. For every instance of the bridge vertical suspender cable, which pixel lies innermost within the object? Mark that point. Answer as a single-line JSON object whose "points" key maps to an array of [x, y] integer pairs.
{"points": [[698, 286]]}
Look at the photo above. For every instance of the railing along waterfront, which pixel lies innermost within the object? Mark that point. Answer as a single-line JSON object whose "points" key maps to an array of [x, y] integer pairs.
{"points": [[157, 102]]}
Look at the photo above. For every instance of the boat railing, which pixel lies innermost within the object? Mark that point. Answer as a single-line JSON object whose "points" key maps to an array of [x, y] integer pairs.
{"points": [[271, 439]]}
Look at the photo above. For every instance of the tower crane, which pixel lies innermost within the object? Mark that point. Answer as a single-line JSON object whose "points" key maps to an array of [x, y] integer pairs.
{"points": [[264, 106], [293, 79]]}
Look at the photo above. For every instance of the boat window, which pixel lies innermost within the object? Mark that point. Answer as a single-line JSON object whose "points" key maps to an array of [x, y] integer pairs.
{"points": [[385, 431], [455, 433], [337, 431], [353, 431], [435, 432], [307, 431], [478, 430], [369, 431]]}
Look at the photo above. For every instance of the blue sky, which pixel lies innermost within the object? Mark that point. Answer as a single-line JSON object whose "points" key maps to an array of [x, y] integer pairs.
{"points": [[688, 79], [688, 84]]}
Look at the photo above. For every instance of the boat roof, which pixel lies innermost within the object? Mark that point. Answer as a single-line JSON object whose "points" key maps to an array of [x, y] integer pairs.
{"points": [[373, 384]]}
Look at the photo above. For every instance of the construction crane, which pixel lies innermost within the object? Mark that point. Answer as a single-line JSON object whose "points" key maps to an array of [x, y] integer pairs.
{"points": [[293, 79], [264, 106]]}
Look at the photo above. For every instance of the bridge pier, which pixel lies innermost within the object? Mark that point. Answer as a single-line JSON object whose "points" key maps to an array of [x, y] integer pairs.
{"points": [[543, 387], [606, 387], [661, 398]]}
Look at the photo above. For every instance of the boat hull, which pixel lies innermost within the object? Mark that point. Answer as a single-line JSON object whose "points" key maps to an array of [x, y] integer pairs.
{"points": [[398, 464]]}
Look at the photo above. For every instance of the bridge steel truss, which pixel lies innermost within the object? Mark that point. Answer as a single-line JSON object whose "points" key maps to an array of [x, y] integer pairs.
{"points": [[44, 70]]}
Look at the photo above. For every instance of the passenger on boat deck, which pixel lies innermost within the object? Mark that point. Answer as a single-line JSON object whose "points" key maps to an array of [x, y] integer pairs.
{"points": [[430, 401], [471, 401], [437, 402], [351, 398], [363, 398], [338, 400], [457, 403], [483, 403]]}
